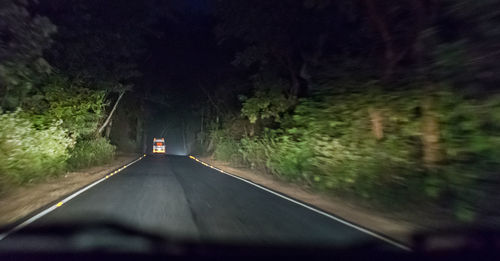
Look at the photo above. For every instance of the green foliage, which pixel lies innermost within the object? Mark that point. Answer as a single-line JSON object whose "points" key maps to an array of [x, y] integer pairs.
{"points": [[226, 147], [38, 141], [329, 143], [78, 107], [266, 103], [256, 151], [91, 152], [471, 130], [35, 142], [28, 154], [471, 135]]}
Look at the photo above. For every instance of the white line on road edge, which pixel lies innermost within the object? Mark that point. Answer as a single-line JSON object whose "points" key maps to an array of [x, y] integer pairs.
{"points": [[371, 233], [70, 197]]}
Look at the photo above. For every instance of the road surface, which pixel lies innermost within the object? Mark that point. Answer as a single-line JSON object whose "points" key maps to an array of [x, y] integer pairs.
{"points": [[179, 197]]}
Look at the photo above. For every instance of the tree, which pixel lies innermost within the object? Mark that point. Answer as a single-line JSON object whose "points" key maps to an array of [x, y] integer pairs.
{"points": [[96, 42], [73, 102], [23, 38], [108, 118], [101, 43], [269, 30]]}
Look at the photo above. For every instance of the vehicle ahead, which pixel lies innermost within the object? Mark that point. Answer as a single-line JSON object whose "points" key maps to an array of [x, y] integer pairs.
{"points": [[159, 145]]}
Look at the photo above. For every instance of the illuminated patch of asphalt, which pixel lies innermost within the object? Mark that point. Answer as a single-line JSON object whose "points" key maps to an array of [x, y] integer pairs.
{"points": [[345, 222]]}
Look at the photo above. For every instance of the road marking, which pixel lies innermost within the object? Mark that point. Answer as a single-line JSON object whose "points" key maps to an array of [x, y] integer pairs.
{"points": [[70, 197], [345, 222]]}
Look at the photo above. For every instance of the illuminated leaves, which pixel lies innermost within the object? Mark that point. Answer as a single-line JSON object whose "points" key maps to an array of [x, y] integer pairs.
{"points": [[78, 107], [27, 153], [270, 103]]}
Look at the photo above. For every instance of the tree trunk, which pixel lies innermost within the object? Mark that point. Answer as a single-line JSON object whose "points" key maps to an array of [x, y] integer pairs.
{"points": [[209, 97], [377, 123], [294, 79], [391, 56], [425, 13], [312, 61], [210, 145], [382, 28], [108, 119], [108, 129], [433, 153], [252, 129], [431, 147]]}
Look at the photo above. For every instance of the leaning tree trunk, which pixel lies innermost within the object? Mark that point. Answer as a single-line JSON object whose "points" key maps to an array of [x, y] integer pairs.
{"points": [[108, 128], [432, 150], [108, 119]]}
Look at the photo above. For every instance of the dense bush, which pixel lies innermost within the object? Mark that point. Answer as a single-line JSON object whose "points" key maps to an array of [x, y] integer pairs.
{"points": [[90, 152], [226, 148], [27, 153], [39, 140], [332, 142], [256, 152]]}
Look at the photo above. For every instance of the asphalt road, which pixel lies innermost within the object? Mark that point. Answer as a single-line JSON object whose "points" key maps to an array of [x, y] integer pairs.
{"points": [[181, 198]]}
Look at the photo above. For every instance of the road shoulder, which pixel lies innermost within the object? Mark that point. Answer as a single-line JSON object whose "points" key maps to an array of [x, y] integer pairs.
{"points": [[21, 201]]}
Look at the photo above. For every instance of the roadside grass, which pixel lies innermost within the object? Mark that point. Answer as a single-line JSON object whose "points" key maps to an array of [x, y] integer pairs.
{"points": [[90, 152]]}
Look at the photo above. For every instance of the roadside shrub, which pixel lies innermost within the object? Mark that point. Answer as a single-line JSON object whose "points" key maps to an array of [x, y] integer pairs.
{"points": [[227, 149], [370, 144], [256, 151], [471, 138], [330, 143], [27, 153], [91, 152]]}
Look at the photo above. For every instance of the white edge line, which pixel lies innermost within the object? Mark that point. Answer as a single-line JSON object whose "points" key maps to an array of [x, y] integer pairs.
{"points": [[371, 233], [70, 197]]}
